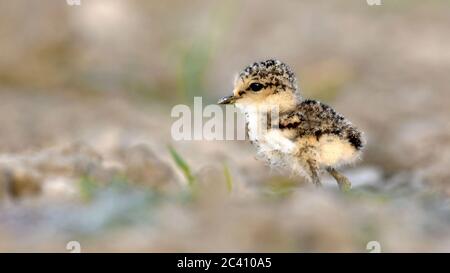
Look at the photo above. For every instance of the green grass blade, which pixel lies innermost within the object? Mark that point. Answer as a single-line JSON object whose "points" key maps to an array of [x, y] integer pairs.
{"points": [[184, 167], [228, 177], [88, 187]]}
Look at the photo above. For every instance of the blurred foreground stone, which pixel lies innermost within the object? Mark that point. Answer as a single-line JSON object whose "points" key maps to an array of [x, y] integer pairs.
{"points": [[57, 171]]}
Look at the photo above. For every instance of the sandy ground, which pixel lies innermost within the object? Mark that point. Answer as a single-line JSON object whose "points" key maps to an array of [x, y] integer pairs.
{"points": [[112, 186]]}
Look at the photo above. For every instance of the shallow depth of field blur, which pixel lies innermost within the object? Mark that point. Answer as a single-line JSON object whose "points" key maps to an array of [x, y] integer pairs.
{"points": [[86, 152]]}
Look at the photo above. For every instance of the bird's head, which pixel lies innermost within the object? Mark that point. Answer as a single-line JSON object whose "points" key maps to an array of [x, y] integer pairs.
{"points": [[266, 83]]}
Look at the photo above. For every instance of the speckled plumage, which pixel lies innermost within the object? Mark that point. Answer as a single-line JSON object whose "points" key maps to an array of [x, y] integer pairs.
{"points": [[306, 135], [271, 71], [316, 119]]}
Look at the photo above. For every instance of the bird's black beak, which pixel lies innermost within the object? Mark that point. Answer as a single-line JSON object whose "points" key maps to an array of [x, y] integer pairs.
{"points": [[227, 100]]}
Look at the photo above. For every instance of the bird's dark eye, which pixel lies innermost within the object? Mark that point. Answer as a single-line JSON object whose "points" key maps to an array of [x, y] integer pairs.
{"points": [[256, 86]]}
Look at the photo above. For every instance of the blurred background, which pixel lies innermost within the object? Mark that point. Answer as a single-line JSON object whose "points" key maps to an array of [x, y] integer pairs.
{"points": [[86, 153]]}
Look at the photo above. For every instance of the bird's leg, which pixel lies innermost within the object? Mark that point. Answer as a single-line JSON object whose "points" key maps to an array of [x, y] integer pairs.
{"points": [[314, 171], [343, 182]]}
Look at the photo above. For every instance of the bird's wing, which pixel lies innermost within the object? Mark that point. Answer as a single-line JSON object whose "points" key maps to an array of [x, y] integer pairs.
{"points": [[315, 118]]}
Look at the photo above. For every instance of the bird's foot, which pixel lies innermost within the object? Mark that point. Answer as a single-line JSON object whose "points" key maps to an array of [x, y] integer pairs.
{"points": [[344, 184]]}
